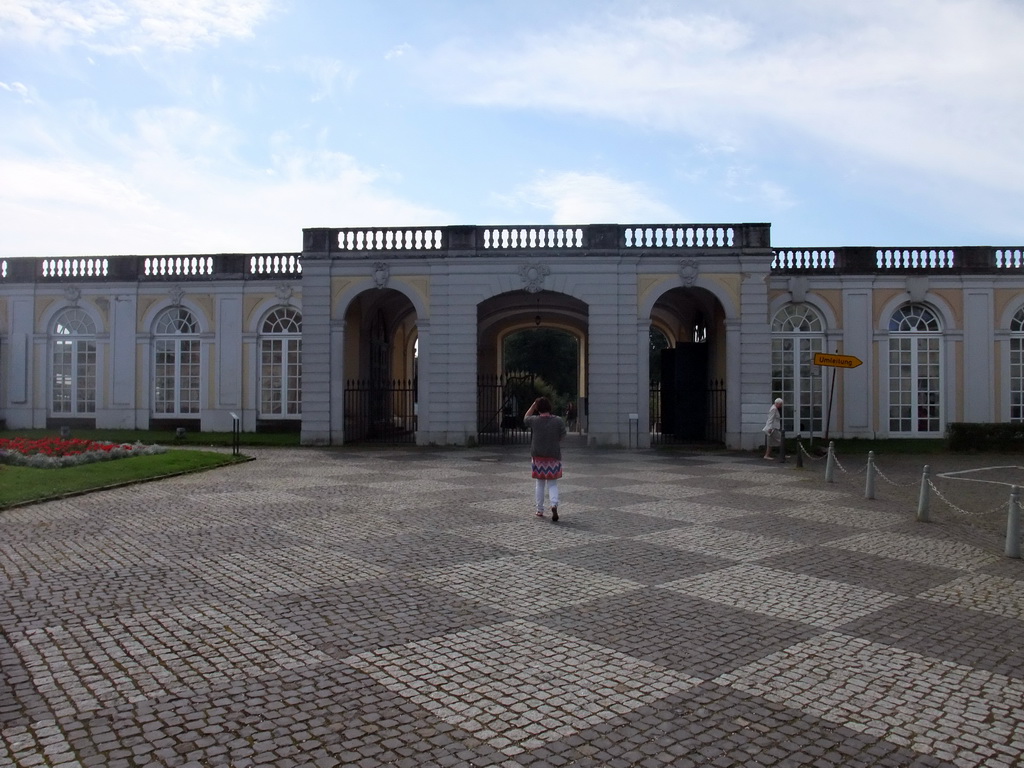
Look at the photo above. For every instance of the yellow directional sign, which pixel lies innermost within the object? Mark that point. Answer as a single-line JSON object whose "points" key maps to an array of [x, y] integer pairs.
{"points": [[837, 361]]}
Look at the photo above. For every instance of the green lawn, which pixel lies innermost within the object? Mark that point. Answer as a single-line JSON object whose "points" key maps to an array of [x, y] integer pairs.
{"points": [[21, 485]]}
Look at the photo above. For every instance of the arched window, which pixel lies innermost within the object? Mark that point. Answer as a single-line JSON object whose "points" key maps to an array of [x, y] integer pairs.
{"points": [[915, 371], [281, 364], [1017, 366], [798, 332], [73, 363], [176, 371]]}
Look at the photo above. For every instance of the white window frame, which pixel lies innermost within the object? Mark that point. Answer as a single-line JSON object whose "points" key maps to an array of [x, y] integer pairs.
{"points": [[280, 365], [74, 360], [1016, 367], [915, 373], [177, 364], [798, 331]]}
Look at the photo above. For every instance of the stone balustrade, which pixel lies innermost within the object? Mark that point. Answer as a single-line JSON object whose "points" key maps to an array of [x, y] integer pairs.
{"points": [[394, 239], [85, 269], [889, 261], [480, 242], [675, 236], [1009, 258], [469, 241]]}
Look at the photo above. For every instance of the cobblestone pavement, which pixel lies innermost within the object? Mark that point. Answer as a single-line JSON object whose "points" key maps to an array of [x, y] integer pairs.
{"points": [[405, 607]]}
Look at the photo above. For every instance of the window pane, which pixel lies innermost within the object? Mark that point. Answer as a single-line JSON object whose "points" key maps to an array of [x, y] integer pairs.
{"points": [[280, 384]]}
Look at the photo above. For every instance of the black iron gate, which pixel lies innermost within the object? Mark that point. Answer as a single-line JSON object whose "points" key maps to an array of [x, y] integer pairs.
{"points": [[380, 411], [501, 402], [669, 407]]}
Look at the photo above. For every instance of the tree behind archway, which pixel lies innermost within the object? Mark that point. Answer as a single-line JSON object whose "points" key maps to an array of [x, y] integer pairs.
{"points": [[548, 352]]}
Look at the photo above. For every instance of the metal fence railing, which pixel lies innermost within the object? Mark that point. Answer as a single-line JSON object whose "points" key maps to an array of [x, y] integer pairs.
{"points": [[678, 416], [380, 411], [502, 399]]}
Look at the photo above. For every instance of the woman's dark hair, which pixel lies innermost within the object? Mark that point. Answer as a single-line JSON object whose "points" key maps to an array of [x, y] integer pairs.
{"points": [[543, 405]]}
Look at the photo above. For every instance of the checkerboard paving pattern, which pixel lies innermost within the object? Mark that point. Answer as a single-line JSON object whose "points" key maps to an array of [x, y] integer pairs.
{"points": [[956, 713], [518, 685], [404, 607]]}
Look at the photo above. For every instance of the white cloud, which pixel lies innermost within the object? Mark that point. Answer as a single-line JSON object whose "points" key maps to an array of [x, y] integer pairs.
{"points": [[927, 85], [117, 26], [19, 89], [176, 186], [325, 73], [398, 52], [581, 198]]}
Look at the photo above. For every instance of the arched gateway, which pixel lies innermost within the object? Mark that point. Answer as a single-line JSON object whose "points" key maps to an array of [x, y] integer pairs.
{"points": [[459, 291], [679, 333]]}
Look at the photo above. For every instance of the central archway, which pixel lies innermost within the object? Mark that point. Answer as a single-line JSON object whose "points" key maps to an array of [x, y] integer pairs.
{"points": [[503, 391]]}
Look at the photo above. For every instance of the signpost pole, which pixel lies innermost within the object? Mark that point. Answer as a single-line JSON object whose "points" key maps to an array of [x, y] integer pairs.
{"points": [[828, 411], [834, 361]]}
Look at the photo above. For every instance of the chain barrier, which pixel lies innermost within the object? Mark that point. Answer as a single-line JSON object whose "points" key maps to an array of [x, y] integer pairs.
{"points": [[996, 509], [894, 483], [922, 483], [812, 458], [844, 469]]}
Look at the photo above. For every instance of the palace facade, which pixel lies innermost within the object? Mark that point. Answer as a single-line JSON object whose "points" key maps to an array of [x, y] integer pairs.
{"points": [[398, 334]]}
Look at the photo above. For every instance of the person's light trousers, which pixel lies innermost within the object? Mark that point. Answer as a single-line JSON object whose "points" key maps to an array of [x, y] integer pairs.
{"points": [[552, 491]]}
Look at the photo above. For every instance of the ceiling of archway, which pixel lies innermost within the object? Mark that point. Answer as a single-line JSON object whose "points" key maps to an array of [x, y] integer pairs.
{"points": [[519, 309]]}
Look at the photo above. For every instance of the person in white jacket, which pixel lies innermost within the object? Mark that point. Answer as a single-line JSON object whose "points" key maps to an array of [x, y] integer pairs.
{"points": [[773, 428]]}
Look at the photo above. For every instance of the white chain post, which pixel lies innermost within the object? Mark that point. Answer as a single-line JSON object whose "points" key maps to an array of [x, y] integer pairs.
{"points": [[869, 477], [830, 465], [1013, 524], [922, 500]]}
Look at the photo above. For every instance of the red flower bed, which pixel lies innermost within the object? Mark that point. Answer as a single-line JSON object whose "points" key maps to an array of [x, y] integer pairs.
{"points": [[56, 446]]}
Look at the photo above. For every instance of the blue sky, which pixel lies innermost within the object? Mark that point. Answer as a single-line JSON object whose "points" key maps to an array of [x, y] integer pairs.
{"points": [[183, 126]]}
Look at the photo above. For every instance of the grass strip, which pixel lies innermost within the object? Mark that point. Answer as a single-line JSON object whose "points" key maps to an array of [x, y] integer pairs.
{"points": [[24, 485]]}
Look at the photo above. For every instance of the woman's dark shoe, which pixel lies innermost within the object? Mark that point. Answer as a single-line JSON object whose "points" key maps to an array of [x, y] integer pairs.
{"points": [[554, 514]]}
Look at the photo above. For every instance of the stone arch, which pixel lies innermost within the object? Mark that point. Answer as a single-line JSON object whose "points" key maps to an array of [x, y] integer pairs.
{"points": [[692, 370], [654, 292], [1011, 314], [943, 311], [379, 365], [501, 315], [819, 305], [151, 314], [255, 316], [342, 301], [47, 318]]}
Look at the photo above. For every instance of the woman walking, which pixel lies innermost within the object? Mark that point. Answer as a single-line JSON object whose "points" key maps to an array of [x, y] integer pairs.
{"points": [[773, 428], [545, 453]]}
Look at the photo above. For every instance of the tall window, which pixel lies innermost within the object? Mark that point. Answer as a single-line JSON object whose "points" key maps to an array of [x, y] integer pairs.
{"points": [[915, 371], [1017, 366], [73, 361], [176, 373], [797, 333], [281, 364]]}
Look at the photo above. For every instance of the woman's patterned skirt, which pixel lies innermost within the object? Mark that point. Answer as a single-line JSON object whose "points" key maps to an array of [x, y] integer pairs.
{"points": [[546, 469]]}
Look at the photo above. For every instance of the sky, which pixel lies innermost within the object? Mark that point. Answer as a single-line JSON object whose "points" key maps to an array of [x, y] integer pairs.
{"points": [[183, 126]]}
